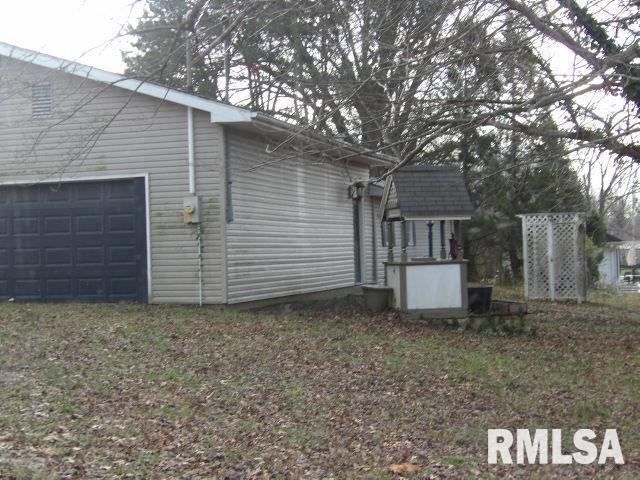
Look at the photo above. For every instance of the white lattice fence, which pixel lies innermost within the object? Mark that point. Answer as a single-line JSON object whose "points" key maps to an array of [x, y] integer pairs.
{"points": [[554, 262]]}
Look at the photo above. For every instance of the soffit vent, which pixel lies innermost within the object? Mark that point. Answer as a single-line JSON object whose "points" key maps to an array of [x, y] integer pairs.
{"points": [[42, 99]]}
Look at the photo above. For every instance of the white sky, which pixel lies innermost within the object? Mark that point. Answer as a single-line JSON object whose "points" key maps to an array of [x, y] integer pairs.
{"points": [[72, 29]]}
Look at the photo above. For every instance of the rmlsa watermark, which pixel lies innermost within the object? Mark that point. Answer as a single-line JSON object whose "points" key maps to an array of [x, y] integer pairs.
{"points": [[540, 449]]}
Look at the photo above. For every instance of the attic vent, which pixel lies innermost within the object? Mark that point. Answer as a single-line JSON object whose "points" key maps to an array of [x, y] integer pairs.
{"points": [[41, 99]]}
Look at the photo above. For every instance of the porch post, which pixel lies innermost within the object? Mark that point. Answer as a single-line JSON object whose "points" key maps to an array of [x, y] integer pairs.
{"points": [[403, 240], [443, 248], [391, 239], [458, 233]]}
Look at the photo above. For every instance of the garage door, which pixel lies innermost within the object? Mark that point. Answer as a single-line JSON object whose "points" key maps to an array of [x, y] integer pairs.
{"points": [[74, 242]]}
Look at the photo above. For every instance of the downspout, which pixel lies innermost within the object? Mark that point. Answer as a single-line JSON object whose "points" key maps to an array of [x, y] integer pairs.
{"points": [[374, 240], [192, 155], [192, 191], [192, 163], [228, 174]]}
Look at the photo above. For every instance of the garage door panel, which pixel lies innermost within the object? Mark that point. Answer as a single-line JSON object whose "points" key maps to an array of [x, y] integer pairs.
{"points": [[26, 257], [121, 191], [57, 225], [25, 226], [59, 287], [58, 256], [90, 224], [26, 196], [123, 286], [91, 288], [89, 255], [83, 241], [27, 289], [123, 255], [56, 195]]}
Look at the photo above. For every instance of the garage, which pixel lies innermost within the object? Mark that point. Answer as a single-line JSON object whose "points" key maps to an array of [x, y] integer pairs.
{"points": [[74, 241]]}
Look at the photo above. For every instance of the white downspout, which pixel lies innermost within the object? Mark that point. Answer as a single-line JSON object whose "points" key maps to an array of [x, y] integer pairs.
{"points": [[192, 155], [192, 191], [192, 164]]}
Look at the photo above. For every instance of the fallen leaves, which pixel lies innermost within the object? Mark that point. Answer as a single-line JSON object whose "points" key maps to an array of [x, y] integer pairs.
{"points": [[403, 468], [167, 392]]}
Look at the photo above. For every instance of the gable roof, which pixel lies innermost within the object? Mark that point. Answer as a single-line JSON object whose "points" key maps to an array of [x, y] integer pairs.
{"points": [[220, 112], [431, 192]]}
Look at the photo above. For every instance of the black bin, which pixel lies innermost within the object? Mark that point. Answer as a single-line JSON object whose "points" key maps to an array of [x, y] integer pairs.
{"points": [[479, 298]]}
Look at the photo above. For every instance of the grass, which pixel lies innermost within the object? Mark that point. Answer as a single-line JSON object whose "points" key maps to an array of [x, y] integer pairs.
{"points": [[104, 391]]}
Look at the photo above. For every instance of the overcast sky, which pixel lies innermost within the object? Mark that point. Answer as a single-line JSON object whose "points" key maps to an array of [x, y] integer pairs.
{"points": [[72, 29]]}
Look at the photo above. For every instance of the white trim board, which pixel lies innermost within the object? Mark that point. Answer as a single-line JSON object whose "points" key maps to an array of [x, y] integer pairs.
{"points": [[98, 178]]}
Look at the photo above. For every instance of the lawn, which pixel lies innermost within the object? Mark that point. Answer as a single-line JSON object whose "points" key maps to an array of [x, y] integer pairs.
{"points": [[103, 391]]}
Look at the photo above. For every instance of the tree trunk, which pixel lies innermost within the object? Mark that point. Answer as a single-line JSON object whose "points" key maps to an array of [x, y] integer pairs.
{"points": [[516, 267]]}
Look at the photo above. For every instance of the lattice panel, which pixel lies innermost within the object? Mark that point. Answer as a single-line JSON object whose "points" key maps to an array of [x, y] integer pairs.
{"points": [[554, 256], [538, 258]]}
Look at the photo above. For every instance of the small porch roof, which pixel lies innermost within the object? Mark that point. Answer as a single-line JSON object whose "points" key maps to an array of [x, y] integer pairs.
{"points": [[427, 193]]}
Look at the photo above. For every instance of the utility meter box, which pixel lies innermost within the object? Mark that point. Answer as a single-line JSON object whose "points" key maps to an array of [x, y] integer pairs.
{"points": [[191, 209]]}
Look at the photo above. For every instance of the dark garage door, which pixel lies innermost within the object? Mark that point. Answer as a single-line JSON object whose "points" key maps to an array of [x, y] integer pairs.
{"points": [[73, 242]]}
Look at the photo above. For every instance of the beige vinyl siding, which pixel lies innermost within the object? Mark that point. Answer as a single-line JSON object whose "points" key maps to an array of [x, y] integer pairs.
{"points": [[293, 222], [98, 130]]}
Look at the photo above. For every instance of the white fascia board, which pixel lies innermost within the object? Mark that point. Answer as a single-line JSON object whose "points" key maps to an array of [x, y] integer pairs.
{"points": [[231, 115], [219, 111]]}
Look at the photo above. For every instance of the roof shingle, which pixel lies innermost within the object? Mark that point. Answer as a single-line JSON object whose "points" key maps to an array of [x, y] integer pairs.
{"points": [[432, 192]]}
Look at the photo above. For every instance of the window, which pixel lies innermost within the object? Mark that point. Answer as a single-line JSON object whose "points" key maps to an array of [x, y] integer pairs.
{"points": [[411, 234], [41, 99]]}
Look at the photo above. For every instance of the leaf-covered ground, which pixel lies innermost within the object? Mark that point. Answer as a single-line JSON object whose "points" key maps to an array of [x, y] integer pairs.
{"points": [[104, 391]]}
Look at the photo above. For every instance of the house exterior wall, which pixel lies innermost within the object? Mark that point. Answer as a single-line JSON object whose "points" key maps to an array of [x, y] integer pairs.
{"points": [[100, 131], [609, 267], [292, 230]]}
